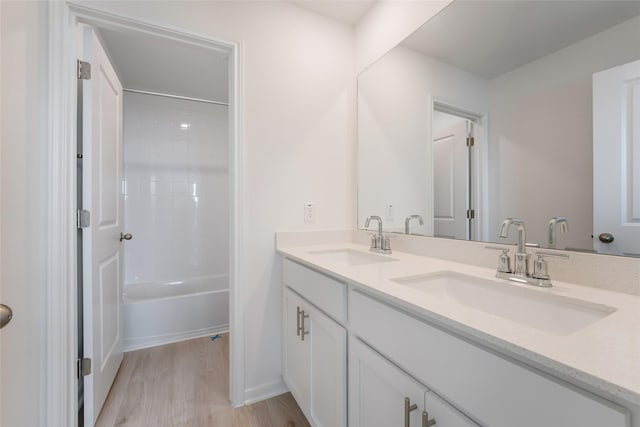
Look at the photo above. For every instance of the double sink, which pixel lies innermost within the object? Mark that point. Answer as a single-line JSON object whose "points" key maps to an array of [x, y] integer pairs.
{"points": [[536, 308]]}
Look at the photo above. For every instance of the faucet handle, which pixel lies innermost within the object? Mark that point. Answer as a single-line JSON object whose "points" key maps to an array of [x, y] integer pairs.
{"points": [[505, 261], [374, 241], [385, 244], [540, 266]]}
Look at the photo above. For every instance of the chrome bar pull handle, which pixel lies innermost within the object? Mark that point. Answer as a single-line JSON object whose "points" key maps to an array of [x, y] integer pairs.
{"points": [[426, 422], [408, 408], [298, 321], [302, 331]]}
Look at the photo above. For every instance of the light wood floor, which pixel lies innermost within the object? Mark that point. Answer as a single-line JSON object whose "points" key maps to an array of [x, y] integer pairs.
{"points": [[187, 384]]}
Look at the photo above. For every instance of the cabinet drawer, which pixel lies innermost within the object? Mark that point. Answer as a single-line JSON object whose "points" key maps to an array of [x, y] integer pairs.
{"points": [[327, 294], [488, 387]]}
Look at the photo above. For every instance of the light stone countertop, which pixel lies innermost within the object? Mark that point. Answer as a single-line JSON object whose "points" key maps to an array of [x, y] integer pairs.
{"points": [[603, 357]]}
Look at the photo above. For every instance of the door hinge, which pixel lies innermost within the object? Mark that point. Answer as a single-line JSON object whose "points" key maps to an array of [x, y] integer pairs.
{"points": [[84, 367], [84, 70], [470, 141], [471, 214], [83, 219]]}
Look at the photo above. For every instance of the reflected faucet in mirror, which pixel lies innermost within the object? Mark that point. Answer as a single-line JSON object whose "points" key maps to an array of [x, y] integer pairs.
{"points": [[379, 243], [564, 227], [408, 220]]}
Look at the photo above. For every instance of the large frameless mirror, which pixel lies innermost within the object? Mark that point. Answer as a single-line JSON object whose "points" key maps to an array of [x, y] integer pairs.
{"points": [[496, 109]]}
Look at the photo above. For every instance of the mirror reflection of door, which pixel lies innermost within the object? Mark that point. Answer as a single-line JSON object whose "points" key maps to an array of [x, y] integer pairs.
{"points": [[451, 175], [616, 154]]}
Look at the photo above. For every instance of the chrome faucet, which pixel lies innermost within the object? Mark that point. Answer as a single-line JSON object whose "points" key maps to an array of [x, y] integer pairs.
{"points": [[540, 275], [379, 243], [564, 227], [408, 219], [521, 257]]}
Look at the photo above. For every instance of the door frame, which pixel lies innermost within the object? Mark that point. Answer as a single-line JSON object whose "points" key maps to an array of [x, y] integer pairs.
{"points": [[478, 163], [60, 393]]}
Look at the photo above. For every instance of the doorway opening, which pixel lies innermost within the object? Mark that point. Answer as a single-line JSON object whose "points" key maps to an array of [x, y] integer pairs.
{"points": [[456, 134], [157, 168]]}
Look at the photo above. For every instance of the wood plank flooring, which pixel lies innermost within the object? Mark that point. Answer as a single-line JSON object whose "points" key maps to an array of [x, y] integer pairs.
{"points": [[186, 384]]}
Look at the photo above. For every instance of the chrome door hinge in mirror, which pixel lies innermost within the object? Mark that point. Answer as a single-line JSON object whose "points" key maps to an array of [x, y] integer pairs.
{"points": [[471, 214], [83, 218], [84, 70], [471, 141], [84, 367]]}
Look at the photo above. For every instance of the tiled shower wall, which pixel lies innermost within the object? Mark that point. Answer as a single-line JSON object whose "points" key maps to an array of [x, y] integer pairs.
{"points": [[176, 188]]}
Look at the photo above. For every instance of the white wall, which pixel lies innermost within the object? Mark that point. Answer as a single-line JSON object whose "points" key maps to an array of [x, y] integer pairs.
{"points": [[394, 132], [176, 189], [23, 197], [389, 22], [536, 174], [298, 130]]}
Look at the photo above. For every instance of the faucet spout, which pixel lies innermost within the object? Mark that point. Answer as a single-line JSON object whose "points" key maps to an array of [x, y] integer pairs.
{"points": [[521, 256], [374, 218], [522, 232], [379, 243]]}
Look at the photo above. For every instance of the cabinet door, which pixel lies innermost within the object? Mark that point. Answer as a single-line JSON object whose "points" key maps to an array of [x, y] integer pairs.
{"points": [[444, 414], [378, 389], [328, 342], [296, 351]]}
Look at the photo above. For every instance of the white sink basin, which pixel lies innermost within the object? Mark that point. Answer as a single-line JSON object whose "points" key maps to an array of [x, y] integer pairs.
{"points": [[350, 257], [551, 313]]}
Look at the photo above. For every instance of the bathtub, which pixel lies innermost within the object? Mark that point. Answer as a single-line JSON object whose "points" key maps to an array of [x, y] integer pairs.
{"points": [[162, 313]]}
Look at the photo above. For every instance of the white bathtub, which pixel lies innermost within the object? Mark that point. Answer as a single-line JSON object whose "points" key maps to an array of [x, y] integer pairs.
{"points": [[162, 313]]}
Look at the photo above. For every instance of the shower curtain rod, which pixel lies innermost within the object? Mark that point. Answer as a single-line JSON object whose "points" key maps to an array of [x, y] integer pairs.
{"points": [[207, 101]]}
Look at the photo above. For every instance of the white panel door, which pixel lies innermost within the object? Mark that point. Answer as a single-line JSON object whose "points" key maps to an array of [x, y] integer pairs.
{"points": [[102, 249], [616, 159], [378, 389], [450, 196], [328, 347]]}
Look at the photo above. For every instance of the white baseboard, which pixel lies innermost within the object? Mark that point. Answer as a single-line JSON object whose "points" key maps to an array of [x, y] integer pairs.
{"points": [[131, 344], [264, 391]]}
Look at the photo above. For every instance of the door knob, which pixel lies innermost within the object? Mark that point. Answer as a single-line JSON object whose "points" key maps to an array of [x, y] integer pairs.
{"points": [[6, 314], [606, 237], [127, 236]]}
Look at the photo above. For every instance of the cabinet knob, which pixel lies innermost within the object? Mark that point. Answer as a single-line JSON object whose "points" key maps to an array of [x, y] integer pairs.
{"points": [[426, 422], [408, 408]]}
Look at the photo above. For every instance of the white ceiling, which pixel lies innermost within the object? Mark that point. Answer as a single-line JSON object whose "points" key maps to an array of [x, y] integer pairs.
{"points": [[155, 64], [490, 38], [346, 11]]}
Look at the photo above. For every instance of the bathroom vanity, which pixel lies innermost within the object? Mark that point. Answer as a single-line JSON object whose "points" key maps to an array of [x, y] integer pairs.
{"points": [[401, 339]]}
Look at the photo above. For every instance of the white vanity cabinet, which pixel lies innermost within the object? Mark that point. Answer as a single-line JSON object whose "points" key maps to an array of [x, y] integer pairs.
{"points": [[395, 353], [381, 394], [315, 346], [492, 389]]}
